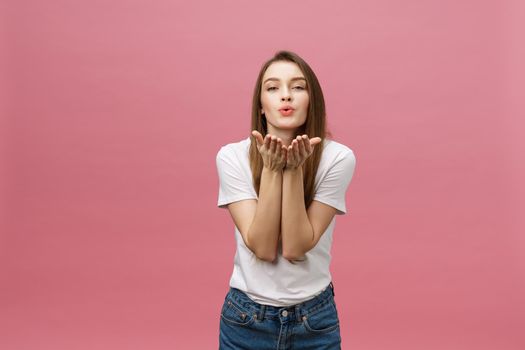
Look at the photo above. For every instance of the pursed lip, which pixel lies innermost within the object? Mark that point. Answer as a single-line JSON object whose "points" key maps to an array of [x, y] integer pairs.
{"points": [[286, 107]]}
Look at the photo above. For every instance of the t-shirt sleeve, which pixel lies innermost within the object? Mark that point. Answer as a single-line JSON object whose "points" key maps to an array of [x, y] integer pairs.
{"points": [[332, 189], [234, 184]]}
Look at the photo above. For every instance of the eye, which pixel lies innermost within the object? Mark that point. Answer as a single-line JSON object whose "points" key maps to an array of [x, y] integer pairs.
{"points": [[270, 88], [300, 87]]}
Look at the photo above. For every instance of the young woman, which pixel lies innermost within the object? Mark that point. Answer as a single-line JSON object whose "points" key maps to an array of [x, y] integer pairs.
{"points": [[283, 186]]}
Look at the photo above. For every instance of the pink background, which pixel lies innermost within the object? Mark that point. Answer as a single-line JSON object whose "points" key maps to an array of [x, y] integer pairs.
{"points": [[113, 112]]}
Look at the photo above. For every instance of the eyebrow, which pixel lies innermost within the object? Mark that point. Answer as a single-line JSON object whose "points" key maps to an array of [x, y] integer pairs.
{"points": [[277, 79]]}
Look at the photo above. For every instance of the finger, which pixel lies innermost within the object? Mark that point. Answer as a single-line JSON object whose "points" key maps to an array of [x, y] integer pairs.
{"points": [[295, 149], [284, 152], [314, 141], [267, 140], [272, 144], [258, 137], [289, 152], [278, 147], [301, 146], [307, 145]]}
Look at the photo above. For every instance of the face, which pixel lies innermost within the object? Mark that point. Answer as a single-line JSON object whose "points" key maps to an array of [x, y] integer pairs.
{"points": [[284, 85]]}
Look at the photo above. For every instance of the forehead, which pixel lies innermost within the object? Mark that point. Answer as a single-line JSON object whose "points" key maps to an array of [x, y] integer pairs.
{"points": [[283, 70]]}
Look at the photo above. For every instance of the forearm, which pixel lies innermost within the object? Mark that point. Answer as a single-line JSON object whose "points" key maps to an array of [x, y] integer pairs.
{"points": [[297, 232], [264, 231]]}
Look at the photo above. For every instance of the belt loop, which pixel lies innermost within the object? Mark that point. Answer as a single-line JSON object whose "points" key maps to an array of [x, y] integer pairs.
{"points": [[298, 312], [332, 285], [262, 310]]}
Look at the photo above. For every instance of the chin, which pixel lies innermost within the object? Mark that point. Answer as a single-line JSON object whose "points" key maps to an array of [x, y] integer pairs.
{"points": [[288, 126]]}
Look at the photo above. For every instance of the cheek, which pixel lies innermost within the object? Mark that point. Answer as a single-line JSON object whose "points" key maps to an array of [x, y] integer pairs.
{"points": [[305, 102], [305, 98], [265, 101]]}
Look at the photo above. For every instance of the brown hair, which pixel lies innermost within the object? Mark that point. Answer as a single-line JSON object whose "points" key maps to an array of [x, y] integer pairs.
{"points": [[315, 124]]}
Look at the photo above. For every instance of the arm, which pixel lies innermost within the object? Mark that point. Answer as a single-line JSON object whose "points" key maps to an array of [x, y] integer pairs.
{"points": [[263, 233], [297, 231], [259, 221], [301, 228]]}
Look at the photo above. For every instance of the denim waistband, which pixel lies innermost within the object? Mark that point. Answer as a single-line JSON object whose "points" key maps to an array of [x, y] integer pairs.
{"points": [[297, 311]]}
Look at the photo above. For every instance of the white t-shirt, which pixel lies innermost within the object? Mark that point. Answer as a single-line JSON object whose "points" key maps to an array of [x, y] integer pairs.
{"points": [[281, 283]]}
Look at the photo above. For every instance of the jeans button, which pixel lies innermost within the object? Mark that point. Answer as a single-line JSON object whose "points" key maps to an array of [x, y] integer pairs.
{"points": [[284, 313]]}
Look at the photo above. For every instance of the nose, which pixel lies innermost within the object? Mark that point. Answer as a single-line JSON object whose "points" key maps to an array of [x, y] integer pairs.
{"points": [[286, 95]]}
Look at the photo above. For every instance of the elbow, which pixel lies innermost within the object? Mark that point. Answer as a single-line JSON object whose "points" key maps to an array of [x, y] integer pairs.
{"points": [[298, 250], [261, 252], [266, 257], [289, 256], [295, 255], [263, 255]]}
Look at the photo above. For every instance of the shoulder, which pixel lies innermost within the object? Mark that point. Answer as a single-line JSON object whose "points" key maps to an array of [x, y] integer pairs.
{"points": [[234, 151], [241, 146], [334, 152]]}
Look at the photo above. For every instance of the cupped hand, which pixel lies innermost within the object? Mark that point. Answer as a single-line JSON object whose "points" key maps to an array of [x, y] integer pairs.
{"points": [[299, 150], [272, 151]]}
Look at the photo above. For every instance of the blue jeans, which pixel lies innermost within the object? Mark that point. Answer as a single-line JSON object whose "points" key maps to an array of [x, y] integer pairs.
{"points": [[245, 324]]}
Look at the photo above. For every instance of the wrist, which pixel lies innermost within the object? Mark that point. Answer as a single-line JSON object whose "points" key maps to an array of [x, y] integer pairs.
{"points": [[292, 168], [272, 170]]}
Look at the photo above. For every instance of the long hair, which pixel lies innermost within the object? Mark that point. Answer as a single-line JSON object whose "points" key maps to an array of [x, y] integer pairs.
{"points": [[314, 126]]}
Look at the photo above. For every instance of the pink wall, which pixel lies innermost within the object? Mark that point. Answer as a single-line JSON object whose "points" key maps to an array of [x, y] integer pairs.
{"points": [[113, 112]]}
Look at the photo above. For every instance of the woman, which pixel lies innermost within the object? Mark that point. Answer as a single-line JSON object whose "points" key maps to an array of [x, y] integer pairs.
{"points": [[283, 187]]}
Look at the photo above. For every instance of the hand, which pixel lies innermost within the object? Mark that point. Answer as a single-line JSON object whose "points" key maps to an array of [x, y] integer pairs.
{"points": [[299, 150], [272, 151]]}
